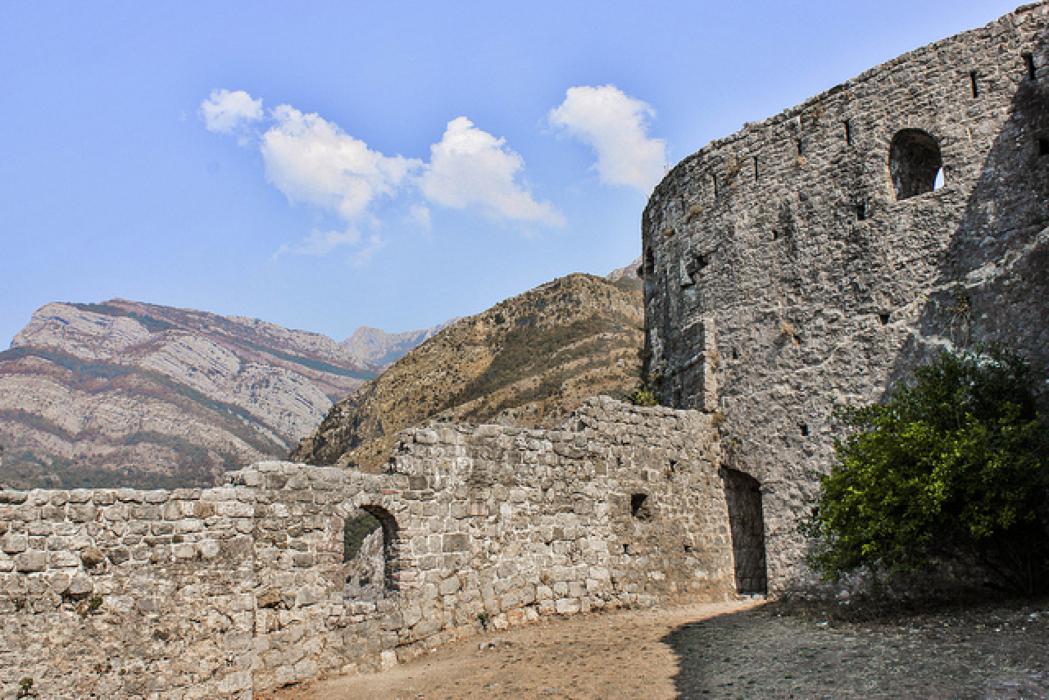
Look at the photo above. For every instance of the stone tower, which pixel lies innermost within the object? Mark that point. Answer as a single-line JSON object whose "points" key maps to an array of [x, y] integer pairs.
{"points": [[812, 259]]}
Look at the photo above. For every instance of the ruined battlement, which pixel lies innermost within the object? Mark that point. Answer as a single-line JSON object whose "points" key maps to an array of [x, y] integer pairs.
{"points": [[813, 259], [806, 262], [223, 592]]}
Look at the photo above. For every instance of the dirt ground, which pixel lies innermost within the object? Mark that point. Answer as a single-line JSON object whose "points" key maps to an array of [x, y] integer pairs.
{"points": [[734, 650]]}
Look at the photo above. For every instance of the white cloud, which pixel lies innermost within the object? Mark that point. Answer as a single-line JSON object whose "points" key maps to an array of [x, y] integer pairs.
{"points": [[312, 160], [472, 168], [224, 111], [419, 214], [616, 127], [364, 255], [320, 243]]}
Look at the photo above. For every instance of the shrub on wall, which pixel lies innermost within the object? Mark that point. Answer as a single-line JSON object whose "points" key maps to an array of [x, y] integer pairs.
{"points": [[953, 465]]}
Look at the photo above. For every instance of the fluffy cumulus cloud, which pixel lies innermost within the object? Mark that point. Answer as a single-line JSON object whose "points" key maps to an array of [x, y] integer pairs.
{"points": [[615, 125], [312, 160], [472, 168], [225, 111]]}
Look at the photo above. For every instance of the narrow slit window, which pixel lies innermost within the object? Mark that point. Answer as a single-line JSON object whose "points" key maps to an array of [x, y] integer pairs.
{"points": [[861, 211], [848, 132], [1029, 64], [801, 147], [714, 181], [755, 168], [974, 83], [1043, 147]]}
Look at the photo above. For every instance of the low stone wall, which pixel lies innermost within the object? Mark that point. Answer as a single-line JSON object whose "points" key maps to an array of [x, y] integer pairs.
{"points": [[222, 592]]}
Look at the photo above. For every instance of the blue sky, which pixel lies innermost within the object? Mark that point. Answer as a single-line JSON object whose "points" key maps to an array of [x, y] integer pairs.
{"points": [[324, 165]]}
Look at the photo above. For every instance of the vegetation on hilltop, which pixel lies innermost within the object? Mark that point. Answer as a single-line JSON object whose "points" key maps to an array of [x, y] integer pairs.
{"points": [[529, 361]]}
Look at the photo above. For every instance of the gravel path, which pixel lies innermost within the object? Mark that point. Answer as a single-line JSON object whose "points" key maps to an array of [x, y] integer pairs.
{"points": [[734, 650]]}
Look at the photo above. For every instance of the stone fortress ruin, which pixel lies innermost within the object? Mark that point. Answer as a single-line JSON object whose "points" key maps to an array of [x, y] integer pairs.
{"points": [[813, 259], [805, 262]]}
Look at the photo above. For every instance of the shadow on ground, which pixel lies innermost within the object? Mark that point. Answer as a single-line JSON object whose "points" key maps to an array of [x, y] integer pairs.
{"points": [[990, 651]]}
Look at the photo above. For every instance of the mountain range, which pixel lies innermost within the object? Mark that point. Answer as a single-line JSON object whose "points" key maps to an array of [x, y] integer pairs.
{"points": [[123, 392]]}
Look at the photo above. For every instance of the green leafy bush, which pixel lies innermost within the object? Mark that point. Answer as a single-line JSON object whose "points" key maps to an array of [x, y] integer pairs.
{"points": [[953, 466], [642, 396]]}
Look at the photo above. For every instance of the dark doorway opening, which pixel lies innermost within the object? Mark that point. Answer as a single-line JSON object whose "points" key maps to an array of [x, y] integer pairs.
{"points": [[747, 524]]}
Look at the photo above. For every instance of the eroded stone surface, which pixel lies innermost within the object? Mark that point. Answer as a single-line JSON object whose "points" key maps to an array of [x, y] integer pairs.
{"points": [[808, 261]]}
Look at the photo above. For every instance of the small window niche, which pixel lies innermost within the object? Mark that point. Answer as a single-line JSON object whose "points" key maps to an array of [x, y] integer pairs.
{"points": [[639, 507], [1029, 65], [861, 211], [1043, 146]]}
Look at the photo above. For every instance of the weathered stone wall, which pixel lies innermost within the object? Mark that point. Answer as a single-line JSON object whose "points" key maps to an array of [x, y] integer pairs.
{"points": [[225, 591], [786, 273]]}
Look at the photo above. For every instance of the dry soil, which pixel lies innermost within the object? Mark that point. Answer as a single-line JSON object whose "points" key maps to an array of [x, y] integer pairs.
{"points": [[734, 650]]}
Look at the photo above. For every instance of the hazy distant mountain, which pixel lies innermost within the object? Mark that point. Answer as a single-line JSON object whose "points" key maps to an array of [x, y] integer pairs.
{"points": [[529, 360], [373, 346], [627, 277], [131, 393]]}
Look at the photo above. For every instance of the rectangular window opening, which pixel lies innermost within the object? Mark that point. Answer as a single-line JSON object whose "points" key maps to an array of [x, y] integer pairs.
{"points": [[755, 168], [801, 147], [714, 180], [1043, 147], [848, 132], [861, 211], [974, 84], [638, 506], [1029, 63]]}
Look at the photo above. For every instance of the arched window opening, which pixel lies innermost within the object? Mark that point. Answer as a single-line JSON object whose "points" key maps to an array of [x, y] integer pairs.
{"points": [[370, 539], [915, 163]]}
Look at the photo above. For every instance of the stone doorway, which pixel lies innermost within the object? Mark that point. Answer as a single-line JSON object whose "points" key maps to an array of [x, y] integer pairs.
{"points": [[370, 542], [747, 524]]}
